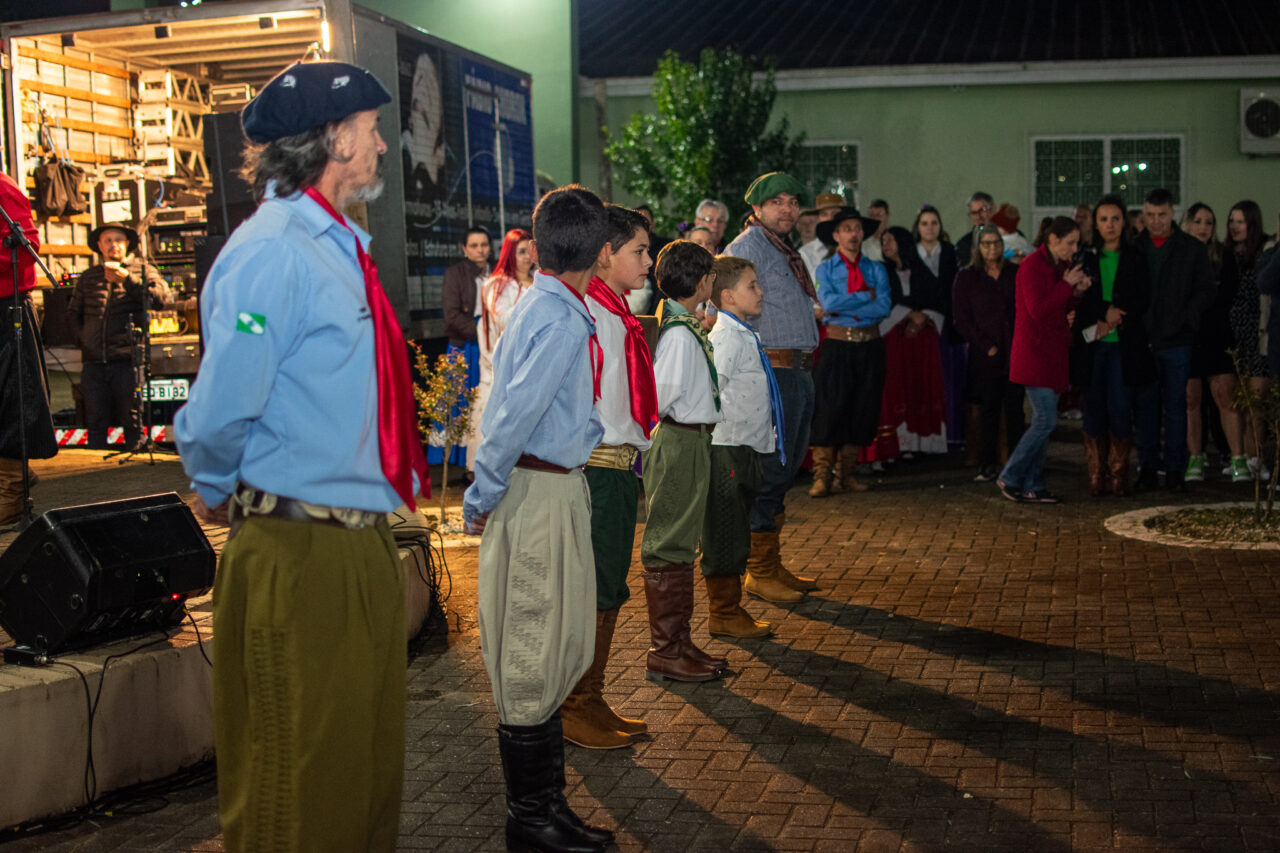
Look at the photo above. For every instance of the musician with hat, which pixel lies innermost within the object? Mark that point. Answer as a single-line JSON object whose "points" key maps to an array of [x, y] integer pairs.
{"points": [[301, 432], [106, 314]]}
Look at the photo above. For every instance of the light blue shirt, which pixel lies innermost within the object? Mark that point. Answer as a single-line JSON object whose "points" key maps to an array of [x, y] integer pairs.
{"points": [[864, 308], [286, 399], [786, 321], [543, 397]]}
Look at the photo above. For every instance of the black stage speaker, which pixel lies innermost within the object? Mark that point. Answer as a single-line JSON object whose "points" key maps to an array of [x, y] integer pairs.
{"points": [[90, 574], [231, 201]]}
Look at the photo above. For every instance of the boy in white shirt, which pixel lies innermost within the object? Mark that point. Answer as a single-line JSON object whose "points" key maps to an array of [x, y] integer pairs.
{"points": [[677, 468], [628, 409], [750, 400]]}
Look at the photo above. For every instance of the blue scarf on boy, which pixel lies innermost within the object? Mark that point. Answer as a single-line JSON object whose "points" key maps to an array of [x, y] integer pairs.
{"points": [[775, 396]]}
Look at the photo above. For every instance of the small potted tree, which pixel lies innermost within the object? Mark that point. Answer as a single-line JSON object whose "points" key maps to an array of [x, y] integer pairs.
{"points": [[444, 410]]}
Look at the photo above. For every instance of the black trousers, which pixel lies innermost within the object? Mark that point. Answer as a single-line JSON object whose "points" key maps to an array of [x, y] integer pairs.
{"points": [[109, 400], [996, 395], [849, 379]]}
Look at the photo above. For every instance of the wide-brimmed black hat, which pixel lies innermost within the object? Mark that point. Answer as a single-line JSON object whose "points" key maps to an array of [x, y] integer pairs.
{"points": [[827, 230], [134, 242]]}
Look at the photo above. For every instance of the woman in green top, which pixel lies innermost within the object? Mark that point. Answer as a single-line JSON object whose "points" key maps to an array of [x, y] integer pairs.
{"points": [[1107, 363]]}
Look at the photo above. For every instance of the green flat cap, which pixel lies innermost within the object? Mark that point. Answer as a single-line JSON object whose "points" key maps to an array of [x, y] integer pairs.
{"points": [[767, 186]]}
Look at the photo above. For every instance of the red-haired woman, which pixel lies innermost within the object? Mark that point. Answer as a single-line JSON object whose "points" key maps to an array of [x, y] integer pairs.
{"points": [[512, 276]]}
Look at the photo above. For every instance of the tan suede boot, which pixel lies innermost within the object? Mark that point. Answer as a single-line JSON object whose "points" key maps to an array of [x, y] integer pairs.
{"points": [[849, 467], [724, 606], [763, 565], [822, 458], [580, 718], [606, 622], [796, 582]]}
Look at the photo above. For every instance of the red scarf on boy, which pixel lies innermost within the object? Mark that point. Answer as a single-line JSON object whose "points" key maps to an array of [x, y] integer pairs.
{"points": [[640, 381]]}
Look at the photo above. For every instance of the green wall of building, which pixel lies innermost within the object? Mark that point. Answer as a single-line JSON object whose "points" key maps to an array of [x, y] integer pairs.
{"points": [[536, 36], [937, 144]]}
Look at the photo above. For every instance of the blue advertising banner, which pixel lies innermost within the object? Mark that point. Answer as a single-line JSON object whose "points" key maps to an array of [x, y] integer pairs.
{"points": [[466, 143]]}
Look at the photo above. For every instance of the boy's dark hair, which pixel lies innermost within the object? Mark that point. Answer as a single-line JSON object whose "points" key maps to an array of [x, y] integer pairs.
{"points": [[1159, 197], [624, 223], [570, 228], [681, 265], [880, 203], [729, 271], [475, 229]]}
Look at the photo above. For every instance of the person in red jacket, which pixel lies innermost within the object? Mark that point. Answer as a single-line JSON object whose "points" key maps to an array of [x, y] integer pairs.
{"points": [[1049, 283], [40, 442]]}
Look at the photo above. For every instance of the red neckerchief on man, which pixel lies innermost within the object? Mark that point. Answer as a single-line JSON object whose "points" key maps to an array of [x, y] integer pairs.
{"points": [[794, 261], [643, 388], [399, 447], [856, 282], [594, 353]]}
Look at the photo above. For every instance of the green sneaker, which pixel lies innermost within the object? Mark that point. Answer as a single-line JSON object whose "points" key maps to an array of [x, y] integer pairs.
{"points": [[1195, 469], [1240, 472]]}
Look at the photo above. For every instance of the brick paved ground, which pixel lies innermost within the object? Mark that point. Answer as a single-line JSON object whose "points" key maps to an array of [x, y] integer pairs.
{"points": [[974, 675]]}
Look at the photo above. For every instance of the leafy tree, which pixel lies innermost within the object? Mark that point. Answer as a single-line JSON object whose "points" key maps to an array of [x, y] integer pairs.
{"points": [[444, 407], [707, 137]]}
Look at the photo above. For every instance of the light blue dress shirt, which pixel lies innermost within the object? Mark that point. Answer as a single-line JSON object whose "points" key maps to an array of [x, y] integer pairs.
{"points": [[286, 399], [864, 308], [786, 321], [543, 397]]}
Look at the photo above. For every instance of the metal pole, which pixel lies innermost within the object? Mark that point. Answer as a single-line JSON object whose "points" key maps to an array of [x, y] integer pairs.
{"points": [[497, 156]]}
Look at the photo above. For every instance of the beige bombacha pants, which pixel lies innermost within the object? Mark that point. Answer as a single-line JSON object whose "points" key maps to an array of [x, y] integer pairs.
{"points": [[537, 594]]}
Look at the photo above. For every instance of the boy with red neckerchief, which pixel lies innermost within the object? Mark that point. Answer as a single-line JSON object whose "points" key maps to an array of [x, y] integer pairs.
{"points": [[628, 409]]}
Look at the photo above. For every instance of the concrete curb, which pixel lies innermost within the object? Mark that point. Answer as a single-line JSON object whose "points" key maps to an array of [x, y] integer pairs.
{"points": [[1133, 525]]}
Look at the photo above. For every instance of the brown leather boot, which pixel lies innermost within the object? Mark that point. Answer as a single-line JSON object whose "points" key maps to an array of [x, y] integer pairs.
{"points": [[1119, 459], [763, 566], [724, 604], [581, 722], [1093, 456], [668, 591], [10, 490], [848, 469], [606, 622], [822, 459], [796, 582]]}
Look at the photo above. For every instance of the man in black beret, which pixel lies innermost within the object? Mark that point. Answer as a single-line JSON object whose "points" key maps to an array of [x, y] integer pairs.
{"points": [[301, 432], [106, 316]]}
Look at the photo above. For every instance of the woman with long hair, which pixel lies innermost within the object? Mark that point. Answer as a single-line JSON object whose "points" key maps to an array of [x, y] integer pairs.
{"points": [[1248, 315], [1048, 285], [1108, 358], [512, 276], [936, 267], [913, 406], [983, 305], [1209, 358]]}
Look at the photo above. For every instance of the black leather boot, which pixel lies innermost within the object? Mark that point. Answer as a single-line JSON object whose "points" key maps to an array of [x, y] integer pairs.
{"points": [[538, 818], [561, 805]]}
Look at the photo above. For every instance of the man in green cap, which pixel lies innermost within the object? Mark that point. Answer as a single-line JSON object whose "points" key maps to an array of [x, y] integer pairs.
{"points": [[789, 332]]}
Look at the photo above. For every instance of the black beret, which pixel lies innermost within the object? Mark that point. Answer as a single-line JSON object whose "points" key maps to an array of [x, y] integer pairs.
{"points": [[307, 95]]}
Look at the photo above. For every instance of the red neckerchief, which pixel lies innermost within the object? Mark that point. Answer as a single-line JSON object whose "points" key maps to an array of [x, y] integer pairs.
{"points": [[643, 388], [594, 353], [399, 447], [856, 281]]}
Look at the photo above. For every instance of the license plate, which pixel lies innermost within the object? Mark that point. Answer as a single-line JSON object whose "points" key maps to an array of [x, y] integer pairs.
{"points": [[169, 389]]}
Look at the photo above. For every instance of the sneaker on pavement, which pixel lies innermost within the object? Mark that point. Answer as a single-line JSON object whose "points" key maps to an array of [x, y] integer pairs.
{"points": [[1011, 493], [1041, 496], [1254, 464], [1195, 469], [985, 474], [1239, 471]]}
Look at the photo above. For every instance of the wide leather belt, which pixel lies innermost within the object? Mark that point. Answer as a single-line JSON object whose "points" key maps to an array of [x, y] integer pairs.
{"points": [[704, 428], [533, 463], [790, 358], [620, 456], [853, 334], [248, 501]]}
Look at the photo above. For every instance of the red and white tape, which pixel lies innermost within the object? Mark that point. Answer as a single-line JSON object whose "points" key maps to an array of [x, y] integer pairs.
{"points": [[115, 435]]}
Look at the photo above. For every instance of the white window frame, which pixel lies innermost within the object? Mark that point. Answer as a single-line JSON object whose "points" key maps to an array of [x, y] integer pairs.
{"points": [[857, 146], [1039, 213]]}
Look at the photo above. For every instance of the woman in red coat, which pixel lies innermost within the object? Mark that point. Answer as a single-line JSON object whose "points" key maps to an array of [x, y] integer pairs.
{"points": [[1049, 283]]}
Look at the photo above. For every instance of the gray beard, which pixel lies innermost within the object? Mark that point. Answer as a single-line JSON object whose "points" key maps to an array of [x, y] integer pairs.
{"points": [[369, 192]]}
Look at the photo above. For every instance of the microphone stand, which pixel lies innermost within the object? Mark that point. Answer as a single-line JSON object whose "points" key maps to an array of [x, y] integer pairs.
{"points": [[16, 241]]}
